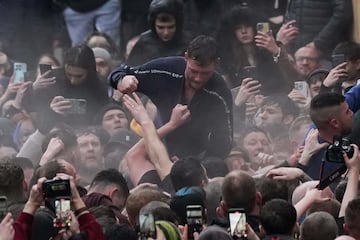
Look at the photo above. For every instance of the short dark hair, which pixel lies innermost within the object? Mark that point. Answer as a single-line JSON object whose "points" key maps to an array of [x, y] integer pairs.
{"points": [[239, 191], [111, 176], [319, 225], [165, 17], [99, 132], [215, 167], [23, 162], [323, 107], [317, 75], [204, 50], [272, 189], [65, 133], [11, 179], [48, 170], [120, 231], [187, 172], [287, 106], [351, 50], [246, 130], [278, 217], [352, 216]]}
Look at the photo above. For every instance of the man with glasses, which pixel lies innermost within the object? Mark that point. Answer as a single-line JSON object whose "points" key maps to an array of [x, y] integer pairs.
{"points": [[307, 59]]}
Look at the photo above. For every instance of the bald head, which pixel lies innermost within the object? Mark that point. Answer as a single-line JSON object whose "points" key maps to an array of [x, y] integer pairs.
{"points": [[238, 191], [345, 237]]}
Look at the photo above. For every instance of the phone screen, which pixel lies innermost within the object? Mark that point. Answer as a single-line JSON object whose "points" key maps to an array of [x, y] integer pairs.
{"points": [[3, 207], [237, 219], [62, 210], [250, 72], [44, 68], [263, 27], [147, 225], [78, 106], [194, 218], [302, 87]]}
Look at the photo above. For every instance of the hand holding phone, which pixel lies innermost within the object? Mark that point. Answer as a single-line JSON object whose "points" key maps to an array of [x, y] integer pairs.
{"points": [[147, 226], [237, 219], [194, 218], [78, 106], [63, 213], [45, 68], [302, 87]]}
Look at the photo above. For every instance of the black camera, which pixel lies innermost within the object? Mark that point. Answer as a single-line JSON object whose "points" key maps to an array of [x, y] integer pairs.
{"points": [[56, 188], [334, 152]]}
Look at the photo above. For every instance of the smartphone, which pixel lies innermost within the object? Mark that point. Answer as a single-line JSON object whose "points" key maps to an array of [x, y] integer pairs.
{"points": [[58, 73], [338, 59], [19, 72], [237, 219], [78, 106], [194, 218], [44, 68], [147, 225], [3, 207], [62, 211], [302, 87], [263, 27], [250, 72]]}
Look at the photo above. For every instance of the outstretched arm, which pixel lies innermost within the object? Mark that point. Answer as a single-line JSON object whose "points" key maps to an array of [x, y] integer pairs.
{"points": [[151, 147]]}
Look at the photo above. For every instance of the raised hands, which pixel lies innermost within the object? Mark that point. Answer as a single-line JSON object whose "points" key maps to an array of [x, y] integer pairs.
{"points": [[336, 75], [60, 105], [43, 81], [285, 173], [287, 32], [18, 101], [128, 84], [180, 114], [136, 108], [354, 161], [54, 147], [312, 146], [267, 41], [249, 87]]}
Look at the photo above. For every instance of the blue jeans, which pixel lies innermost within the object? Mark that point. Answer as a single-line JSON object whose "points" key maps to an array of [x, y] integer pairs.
{"points": [[104, 19]]}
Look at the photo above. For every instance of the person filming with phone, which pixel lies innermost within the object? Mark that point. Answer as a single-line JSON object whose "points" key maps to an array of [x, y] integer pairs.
{"points": [[78, 94], [244, 42]]}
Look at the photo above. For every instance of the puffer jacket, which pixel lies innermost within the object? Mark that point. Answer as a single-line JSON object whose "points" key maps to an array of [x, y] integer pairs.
{"points": [[325, 22]]}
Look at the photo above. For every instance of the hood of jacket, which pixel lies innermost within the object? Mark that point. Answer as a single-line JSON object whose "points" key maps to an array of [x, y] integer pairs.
{"points": [[172, 7]]}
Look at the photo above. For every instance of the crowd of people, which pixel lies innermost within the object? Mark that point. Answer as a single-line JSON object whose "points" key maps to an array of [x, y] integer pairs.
{"points": [[179, 119]]}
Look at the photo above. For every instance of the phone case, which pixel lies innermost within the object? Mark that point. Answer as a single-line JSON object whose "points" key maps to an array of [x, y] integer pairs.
{"points": [[19, 72]]}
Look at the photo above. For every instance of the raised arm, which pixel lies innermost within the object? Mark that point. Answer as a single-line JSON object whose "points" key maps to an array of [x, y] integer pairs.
{"points": [[151, 145], [351, 190]]}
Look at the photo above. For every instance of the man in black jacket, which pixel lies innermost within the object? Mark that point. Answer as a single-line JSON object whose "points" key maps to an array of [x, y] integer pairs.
{"points": [[321, 23], [191, 81]]}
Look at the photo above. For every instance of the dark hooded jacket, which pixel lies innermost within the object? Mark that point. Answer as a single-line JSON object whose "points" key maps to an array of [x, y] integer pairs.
{"points": [[150, 46]]}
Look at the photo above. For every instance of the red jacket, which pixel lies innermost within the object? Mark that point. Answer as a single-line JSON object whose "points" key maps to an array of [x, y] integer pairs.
{"points": [[87, 222]]}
